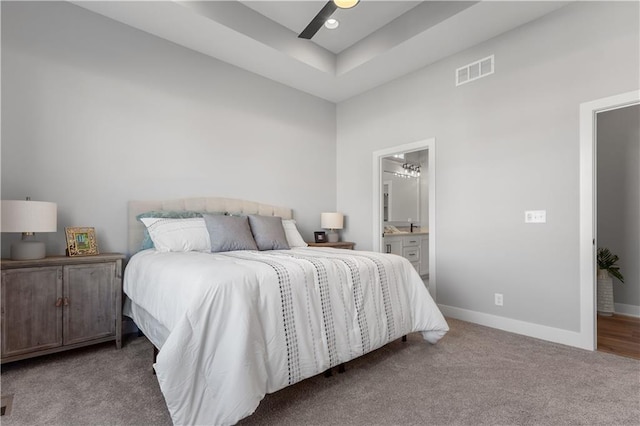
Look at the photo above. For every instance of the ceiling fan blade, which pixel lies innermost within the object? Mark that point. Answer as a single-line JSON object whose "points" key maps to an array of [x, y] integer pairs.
{"points": [[319, 20]]}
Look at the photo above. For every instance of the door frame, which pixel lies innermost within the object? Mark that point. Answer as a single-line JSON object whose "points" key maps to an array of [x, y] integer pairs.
{"points": [[588, 211], [430, 145]]}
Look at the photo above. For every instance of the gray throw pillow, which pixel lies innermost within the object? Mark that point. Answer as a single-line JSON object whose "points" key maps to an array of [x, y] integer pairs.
{"points": [[229, 233], [268, 232]]}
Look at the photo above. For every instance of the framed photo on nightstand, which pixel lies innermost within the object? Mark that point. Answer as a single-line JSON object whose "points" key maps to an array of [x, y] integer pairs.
{"points": [[320, 236], [81, 241]]}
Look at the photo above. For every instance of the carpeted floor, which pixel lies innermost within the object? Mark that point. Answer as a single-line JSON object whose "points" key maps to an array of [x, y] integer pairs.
{"points": [[475, 375]]}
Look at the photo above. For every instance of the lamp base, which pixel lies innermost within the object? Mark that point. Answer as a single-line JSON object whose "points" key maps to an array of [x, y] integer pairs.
{"points": [[28, 250], [333, 236]]}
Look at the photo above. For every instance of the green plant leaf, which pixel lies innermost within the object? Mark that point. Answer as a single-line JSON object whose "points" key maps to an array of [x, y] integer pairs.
{"points": [[607, 261]]}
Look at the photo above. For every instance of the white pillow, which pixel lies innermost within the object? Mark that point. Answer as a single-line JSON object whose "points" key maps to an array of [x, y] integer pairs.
{"points": [[178, 234], [291, 232]]}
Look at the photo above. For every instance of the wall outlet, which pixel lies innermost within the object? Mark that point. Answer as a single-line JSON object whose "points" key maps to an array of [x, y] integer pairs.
{"points": [[498, 299]]}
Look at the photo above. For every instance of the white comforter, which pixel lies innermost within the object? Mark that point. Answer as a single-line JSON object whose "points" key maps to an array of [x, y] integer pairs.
{"points": [[243, 324]]}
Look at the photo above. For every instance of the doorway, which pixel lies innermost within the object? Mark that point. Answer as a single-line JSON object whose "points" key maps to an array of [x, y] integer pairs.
{"points": [[378, 208], [618, 228], [588, 209]]}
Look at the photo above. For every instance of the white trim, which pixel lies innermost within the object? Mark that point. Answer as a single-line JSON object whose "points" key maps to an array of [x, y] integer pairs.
{"points": [[629, 310], [588, 220], [430, 145], [556, 335]]}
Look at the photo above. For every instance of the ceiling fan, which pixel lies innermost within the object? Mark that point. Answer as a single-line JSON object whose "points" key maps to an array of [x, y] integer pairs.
{"points": [[318, 21]]}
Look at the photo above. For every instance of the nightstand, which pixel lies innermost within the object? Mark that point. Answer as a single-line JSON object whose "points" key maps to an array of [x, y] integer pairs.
{"points": [[341, 244], [58, 303]]}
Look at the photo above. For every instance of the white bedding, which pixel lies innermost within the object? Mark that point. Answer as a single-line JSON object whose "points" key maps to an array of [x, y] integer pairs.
{"points": [[242, 324]]}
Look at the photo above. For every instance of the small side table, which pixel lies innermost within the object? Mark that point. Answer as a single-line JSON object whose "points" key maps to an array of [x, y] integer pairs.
{"points": [[58, 303], [341, 244]]}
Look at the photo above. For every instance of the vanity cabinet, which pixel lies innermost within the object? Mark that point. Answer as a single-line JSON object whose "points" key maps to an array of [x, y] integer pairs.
{"points": [[406, 245], [59, 303], [393, 245]]}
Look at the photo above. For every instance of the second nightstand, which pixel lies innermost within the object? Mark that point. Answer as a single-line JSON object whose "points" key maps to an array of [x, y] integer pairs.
{"points": [[341, 244]]}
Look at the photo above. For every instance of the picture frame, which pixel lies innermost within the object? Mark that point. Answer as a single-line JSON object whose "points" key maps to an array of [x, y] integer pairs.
{"points": [[320, 236], [81, 241]]}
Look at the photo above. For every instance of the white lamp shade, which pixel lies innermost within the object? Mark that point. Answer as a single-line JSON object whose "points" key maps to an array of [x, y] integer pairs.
{"points": [[29, 216], [331, 220]]}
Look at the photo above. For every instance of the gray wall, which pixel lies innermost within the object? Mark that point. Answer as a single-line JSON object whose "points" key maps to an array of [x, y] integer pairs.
{"points": [[618, 159], [506, 143], [96, 113]]}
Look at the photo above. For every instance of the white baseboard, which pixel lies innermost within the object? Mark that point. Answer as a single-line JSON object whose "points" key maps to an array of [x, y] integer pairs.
{"points": [[551, 334], [624, 309]]}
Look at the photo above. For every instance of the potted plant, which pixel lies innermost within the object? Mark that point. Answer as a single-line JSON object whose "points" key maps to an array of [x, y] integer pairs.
{"points": [[607, 268]]}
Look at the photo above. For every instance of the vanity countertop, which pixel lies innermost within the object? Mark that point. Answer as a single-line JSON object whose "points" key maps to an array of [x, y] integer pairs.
{"points": [[403, 233]]}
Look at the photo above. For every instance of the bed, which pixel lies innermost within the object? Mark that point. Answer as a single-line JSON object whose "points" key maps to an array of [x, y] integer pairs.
{"points": [[232, 326]]}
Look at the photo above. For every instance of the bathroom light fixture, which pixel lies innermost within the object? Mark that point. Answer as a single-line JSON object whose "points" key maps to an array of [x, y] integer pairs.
{"points": [[331, 23], [401, 175], [412, 169]]}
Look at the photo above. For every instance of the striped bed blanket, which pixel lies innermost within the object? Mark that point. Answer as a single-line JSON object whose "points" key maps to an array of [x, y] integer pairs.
{"points": [[239, 325]]}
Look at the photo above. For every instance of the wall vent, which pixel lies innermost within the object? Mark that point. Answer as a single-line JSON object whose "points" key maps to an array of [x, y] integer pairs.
{"points": [[475, 70]]}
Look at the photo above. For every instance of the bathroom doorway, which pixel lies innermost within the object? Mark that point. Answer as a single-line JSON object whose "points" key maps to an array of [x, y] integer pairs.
{"points": [[408, 157]]}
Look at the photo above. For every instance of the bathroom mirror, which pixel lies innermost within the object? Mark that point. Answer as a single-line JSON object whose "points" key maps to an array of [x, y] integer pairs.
{"points": [[401, 191]]}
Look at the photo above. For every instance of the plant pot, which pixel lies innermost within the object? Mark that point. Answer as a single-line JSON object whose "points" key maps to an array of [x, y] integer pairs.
{"points": [[605, 293]]}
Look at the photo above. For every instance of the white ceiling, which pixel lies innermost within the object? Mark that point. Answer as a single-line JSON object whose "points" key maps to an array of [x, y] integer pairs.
{"points": [[295, 15], [377, 41]]}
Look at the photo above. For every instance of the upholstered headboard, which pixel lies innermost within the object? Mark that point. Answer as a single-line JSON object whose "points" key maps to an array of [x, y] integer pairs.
{"points": [[203, 204]]}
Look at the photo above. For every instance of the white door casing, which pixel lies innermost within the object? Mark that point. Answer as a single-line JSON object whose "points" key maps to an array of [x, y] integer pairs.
{"points": [[588, 219]]}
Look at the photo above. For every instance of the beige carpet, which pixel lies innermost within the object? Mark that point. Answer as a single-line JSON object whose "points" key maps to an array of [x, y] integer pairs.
{"points": [[475, 375]]}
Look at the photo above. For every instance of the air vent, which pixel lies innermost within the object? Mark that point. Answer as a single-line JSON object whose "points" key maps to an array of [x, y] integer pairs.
{"points": [[475, 70]]}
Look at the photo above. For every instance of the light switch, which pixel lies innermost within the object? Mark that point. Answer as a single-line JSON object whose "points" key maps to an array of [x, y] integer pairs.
{"points": [[535, 216]]}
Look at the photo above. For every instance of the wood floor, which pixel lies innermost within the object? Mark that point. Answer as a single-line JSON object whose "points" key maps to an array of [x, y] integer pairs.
{"points": [[620, 335]]}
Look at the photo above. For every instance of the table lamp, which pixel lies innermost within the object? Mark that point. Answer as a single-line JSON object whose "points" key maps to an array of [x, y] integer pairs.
{"points": [[332, 221], [28, 217]]}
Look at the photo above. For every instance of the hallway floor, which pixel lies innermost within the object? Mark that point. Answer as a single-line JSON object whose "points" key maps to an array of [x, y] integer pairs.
{"points": [[620, 335]]}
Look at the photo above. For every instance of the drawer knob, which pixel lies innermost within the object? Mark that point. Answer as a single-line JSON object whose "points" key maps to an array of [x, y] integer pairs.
{"points": [[59, 302]]}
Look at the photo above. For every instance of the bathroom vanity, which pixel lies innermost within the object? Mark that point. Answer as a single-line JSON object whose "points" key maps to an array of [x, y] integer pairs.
{"points": [[412, 245]]}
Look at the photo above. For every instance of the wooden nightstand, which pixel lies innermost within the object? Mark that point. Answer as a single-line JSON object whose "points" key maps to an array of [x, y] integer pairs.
{"points": [[58, 303], [341, 244]]}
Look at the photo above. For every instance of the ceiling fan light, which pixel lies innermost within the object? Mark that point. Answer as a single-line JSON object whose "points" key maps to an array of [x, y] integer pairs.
{"points": [[331, 23], [345, 4]]}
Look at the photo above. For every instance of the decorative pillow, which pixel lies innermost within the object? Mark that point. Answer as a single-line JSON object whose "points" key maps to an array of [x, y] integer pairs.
{"points": [[293, 235], [178, 234], [229, 233], [268, 232], [147, 243]]}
